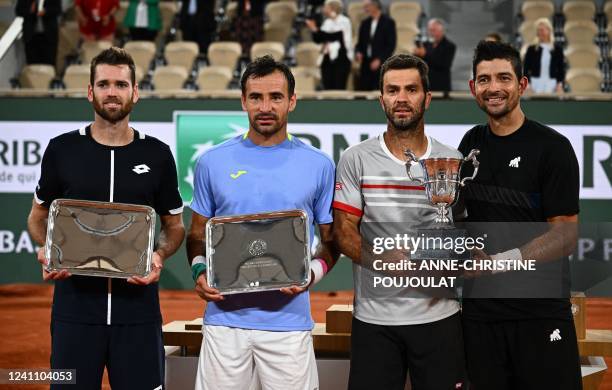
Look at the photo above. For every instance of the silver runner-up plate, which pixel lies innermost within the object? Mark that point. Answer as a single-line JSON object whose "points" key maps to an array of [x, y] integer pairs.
{"points": [[100, 238], [258, 252]]}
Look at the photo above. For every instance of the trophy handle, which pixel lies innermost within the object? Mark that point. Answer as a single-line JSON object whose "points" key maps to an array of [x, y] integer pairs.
{"points": [[412, 158], [471, 157]]}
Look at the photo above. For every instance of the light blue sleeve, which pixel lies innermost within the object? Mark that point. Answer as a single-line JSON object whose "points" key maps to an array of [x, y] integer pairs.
{"points": [[203, 201], [325, 194]]}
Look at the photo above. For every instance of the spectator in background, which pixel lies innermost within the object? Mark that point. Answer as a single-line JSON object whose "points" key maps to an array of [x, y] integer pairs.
{"points": [[336, 35], [376, 42], [439, 54], [248, 25], [544, 61], [143, 19], [40, 29], [314, 10], [493, 37], [198, 22], [96, 19]]}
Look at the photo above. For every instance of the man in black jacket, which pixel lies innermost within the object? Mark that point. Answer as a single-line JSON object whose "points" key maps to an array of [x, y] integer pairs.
{"points": [[40, 29], [198, 22], [439, 55], [377, 40]]}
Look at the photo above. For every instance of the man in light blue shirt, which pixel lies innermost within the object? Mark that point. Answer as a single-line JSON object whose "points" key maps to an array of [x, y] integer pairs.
{"points": [[266, 334]]}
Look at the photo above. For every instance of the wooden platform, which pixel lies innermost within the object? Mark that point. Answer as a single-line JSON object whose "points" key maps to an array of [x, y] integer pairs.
{"points": [[333, 338]]}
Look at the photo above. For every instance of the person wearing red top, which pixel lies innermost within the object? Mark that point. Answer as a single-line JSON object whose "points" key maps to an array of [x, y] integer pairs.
{"points": [[96, 20]]}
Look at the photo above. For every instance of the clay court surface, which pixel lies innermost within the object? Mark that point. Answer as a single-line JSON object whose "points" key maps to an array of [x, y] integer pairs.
{"points": [[25, 314]]}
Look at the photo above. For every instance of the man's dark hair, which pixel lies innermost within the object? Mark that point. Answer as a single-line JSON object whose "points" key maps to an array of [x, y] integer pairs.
{"points": [[113, 56], [263, 66], [405, 61], [489, 51]]}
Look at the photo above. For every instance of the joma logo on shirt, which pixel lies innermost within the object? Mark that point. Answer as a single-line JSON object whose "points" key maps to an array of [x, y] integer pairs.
{"points": [[237, 174]]}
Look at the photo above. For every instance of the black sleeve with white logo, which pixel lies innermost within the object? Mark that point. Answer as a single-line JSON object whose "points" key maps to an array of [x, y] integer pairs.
{"points": [[560, 179], [168, 199], [48, 188]]}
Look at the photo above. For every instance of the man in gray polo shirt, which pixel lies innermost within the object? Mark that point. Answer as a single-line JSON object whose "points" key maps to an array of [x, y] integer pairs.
{"points": [[406, 331]]}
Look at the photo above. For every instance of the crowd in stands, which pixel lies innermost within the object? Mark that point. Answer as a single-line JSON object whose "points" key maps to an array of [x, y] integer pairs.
{"points": [[331, 45]]}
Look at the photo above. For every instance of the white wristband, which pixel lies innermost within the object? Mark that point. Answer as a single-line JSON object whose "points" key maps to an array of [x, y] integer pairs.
{"points": [[319, 269], [500, 260], [198, 260]]}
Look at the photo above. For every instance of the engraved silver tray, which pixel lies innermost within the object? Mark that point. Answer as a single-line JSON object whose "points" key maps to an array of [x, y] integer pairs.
{"points": [[100, 238], [258, 252]]}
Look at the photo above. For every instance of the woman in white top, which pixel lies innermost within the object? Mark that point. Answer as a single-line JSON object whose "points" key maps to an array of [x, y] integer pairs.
{"points": [[336, 36], [544, 61]]}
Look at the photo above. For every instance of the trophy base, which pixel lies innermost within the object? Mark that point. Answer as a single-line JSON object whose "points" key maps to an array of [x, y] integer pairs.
{"points": [[441, 243]]}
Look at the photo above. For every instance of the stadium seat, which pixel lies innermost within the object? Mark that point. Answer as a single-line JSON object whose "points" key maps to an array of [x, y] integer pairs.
{"points": [[305, 79], [584, 80], [580, 31], [277, 32], [527, 30], [213, 78], [356, 14], [231, 10], [36, 76], [170, 77], [307, 54], [404, 48], [406, 35], [578, 10], [224, 54], [68, 41], [533, 10], [607, 10], [275, 49], [181, 54], [120, 16], [121, 12], [90, 49], [281, 12], [405, 12], [168, 10], [77, 77], [583, 56], [142, 52]]}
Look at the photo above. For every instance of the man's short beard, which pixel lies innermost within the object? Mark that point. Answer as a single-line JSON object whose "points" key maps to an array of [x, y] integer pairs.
{"points": [[115, 116], [406, 124], [270, 131]]}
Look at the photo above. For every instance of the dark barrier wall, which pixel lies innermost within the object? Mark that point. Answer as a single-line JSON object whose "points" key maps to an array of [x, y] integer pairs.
{"points": [[17, 258], [315, 111]]}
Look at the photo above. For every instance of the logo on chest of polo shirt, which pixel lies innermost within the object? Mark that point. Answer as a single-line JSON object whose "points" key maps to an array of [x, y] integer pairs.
{"points": [[514, 163], [140, 169], [555, 335], [237, 174]]}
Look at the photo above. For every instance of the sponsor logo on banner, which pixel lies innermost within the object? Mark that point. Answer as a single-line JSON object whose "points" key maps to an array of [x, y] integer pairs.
{"points": [[196, 132], [16, 242], [22, 145]]}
